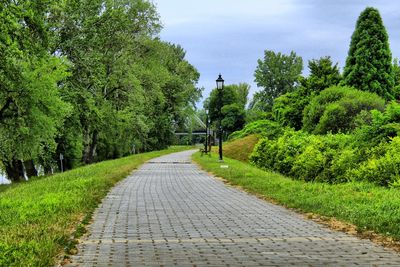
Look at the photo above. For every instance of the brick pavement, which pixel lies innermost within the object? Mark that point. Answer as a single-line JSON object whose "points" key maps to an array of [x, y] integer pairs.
{"points": [[170, 213]]}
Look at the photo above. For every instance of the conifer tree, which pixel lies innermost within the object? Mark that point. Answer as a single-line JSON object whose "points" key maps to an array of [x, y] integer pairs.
{"points": [[369, 61]]}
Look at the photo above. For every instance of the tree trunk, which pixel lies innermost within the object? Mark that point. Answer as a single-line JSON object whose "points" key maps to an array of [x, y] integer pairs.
{"points": [[14, 170], [90, 150], [30, 168]]}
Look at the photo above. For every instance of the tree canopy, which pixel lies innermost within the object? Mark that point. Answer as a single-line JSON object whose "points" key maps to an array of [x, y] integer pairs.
{"points": [[369, 61], [233, 104], [277, 74], [89, 79]]}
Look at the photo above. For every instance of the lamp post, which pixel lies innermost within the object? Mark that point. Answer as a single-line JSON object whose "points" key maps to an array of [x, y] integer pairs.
{"points": [[206, 145], [220, 87]]}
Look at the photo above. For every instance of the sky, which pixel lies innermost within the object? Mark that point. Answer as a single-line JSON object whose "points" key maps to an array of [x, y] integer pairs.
{"points": [[229, 36]]}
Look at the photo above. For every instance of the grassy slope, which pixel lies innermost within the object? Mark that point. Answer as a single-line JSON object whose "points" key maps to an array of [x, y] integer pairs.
{"points": [[365, 205], [241, 149], [37, 218]]}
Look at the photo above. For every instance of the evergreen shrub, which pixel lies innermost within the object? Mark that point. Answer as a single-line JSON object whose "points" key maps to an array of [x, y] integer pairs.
{"points": [[265, 128], [338, 109]]}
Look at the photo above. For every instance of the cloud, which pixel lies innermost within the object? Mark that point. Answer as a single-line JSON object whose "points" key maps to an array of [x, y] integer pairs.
{"points": [[229, 36]]}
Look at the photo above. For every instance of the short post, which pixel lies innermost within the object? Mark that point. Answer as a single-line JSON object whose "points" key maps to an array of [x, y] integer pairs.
{"points": [[61, 162]]}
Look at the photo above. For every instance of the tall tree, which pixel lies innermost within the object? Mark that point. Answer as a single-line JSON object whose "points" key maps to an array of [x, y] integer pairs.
{"points": [[128, 87], [31, 109], [106, 42], [369, 61], [277, 74], [396, 75]]}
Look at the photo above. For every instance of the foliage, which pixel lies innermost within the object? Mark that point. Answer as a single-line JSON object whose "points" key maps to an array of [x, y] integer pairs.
{"points": [[277, 74], [323, 74], [288, 108], [134, 87], [360, 203], [233, 102], [332, 158], [242, 93], [369, 61], [384, 169], [37, 218], [31, 109], [381, 127], [396, 75], [337, 109], [321, 157], [326, 158], [280, 154], [255, 112], [233, 117], [264, 128], [88, 79]]}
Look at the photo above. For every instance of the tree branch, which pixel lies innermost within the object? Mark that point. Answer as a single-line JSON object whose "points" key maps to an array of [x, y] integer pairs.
{"points": [[5, 107]]}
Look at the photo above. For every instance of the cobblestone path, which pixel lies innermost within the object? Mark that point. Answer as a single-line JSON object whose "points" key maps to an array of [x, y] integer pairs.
{"points": [[170, 213]]}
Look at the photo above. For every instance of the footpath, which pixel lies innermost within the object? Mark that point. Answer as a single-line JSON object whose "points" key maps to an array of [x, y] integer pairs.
{"points": [[171, 213]]}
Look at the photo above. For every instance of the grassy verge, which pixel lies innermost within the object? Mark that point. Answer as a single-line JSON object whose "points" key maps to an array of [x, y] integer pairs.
{"points": [[364, 205], [38, 218]]}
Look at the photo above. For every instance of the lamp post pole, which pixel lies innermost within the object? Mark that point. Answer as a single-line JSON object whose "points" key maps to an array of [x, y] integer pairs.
{"points": [[206, 145], [220, 87]]}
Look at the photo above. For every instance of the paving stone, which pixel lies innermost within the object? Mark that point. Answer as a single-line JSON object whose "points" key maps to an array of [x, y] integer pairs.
{"points": [[170, 213]]}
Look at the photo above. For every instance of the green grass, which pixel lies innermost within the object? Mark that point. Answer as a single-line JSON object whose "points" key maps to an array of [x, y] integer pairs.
{"points": [[240, 148], [39, 217], [365, 205]]}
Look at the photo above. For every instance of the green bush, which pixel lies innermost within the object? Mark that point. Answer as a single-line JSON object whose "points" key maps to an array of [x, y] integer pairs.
{"points": [[381, 169], [310, 163], [280, 154], [288, 108], [337, 109], [383, 126], [306, 157], [322, 159], [264, 128], [371, 153], [343, 163], [262, 155]]}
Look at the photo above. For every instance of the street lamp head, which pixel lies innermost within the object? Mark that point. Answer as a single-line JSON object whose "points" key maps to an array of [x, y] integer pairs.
{"points": [[220, 82], [206, 110]]}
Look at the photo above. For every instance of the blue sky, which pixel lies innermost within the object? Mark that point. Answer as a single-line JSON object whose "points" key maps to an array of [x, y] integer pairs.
{"points": [[228, 36]]}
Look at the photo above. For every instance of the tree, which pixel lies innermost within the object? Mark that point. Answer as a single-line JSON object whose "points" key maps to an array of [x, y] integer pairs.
{"points": [[127, 86], [396, 75], [369, 61], [31, 109], [323, 74], [233, 102], [242, 91], [277, 74], [107, 42], [288, 108], [233, 118]]}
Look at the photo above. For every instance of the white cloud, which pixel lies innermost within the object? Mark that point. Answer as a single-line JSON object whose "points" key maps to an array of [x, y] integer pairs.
{"points": [[229, 36]]}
